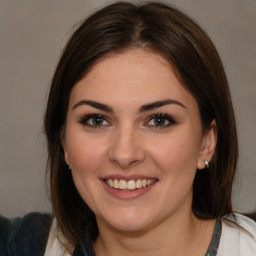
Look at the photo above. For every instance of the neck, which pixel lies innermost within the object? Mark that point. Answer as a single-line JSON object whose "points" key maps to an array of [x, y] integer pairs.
{"points": [[175, 236]]}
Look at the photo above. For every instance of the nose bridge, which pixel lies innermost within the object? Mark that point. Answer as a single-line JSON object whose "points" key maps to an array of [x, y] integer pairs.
{"points": [[126, 149]]}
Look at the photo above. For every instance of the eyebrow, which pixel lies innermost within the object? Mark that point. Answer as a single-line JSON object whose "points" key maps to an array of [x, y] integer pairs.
{"points": [[143, 108], [94, 104], [158, 104]]}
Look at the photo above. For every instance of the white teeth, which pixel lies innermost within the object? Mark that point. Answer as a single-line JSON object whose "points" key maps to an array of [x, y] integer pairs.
{"points": [[139, 184], [110, 183], [130, 185], [116, 183], [122, 184]]}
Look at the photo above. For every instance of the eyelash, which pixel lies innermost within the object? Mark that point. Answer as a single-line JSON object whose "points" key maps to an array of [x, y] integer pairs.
{"points": [[84, 120], [167, 118]]}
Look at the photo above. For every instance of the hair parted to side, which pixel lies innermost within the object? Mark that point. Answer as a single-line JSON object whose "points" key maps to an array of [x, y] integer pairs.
{"points": [[165, 30]]}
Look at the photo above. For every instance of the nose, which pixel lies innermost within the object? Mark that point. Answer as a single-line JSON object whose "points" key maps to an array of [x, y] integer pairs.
{"points": [[126, 149]]}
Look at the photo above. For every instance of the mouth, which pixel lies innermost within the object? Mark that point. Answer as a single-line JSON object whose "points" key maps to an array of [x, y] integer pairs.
{"points": [[129, 185]]}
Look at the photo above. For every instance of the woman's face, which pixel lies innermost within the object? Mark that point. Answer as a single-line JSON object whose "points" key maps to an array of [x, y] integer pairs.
{"points": [[134, 140]]}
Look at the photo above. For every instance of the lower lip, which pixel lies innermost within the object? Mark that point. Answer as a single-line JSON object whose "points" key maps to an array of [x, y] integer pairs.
{"points": [[127, 194]]}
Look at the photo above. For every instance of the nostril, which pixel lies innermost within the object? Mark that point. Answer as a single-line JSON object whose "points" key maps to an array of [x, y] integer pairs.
{"points": [[125, 163], [125, 149], [126, 159]]}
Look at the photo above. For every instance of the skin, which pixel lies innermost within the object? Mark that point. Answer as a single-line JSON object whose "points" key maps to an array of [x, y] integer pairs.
{"points": [[128, 142]]}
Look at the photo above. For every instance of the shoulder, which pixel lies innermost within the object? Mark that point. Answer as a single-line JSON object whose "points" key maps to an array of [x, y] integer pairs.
{"points": [[56, 241], [24, 236], [238, 236]]}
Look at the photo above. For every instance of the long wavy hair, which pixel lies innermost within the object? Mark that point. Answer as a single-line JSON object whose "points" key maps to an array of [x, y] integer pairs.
{"points": [[172, 34]]}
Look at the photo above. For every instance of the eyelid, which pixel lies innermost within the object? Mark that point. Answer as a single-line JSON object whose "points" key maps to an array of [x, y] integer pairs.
{"points": [[85, 118], [169, 118]]}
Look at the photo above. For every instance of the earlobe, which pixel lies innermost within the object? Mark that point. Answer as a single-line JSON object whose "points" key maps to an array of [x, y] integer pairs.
{"points": [[208, 146], [65, 153], [66, 156], [64, 145], [66, 159]]}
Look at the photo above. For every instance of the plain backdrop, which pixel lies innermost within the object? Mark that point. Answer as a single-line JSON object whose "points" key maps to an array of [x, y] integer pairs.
{"points": [[32, 35]]}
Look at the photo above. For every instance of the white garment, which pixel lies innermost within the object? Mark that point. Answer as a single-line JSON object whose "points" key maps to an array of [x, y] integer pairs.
{"points": [[54, 247], [236, 240]]}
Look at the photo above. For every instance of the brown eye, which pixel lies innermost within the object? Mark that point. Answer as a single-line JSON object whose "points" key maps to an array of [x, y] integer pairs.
{"points": [[94, 120], [161, 121]]}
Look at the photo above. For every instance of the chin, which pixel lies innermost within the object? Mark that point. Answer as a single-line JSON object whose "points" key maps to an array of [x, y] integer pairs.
{"points": [[129, 226], [128, 222]]}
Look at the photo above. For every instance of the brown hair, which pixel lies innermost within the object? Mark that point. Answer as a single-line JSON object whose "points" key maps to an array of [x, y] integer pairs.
{"points": [[167, 31]]}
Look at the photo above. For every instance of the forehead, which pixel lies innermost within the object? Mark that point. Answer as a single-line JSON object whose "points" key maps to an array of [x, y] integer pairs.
{"points": [[135, 75]]}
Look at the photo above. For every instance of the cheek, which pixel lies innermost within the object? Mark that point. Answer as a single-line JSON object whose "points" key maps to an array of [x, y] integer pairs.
{"points": [[176, 155], [85, 153]]}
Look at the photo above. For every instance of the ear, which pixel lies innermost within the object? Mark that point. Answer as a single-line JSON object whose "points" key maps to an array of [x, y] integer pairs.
{"points": [[208, 145], [64, 144]]}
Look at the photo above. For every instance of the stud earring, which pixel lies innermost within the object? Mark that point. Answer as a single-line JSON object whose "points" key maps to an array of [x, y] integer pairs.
{"points": [[206, 164]]}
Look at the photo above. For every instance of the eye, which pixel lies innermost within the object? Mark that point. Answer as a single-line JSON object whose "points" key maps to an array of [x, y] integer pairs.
{"points": [[94, 121], [161, 121]]}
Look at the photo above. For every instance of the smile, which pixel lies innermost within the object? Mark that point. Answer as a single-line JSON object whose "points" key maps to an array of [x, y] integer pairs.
{"points": [[130, 184]]}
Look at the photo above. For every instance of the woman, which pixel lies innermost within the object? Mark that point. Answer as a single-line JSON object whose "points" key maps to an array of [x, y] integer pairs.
{"points": [[142, 143]]}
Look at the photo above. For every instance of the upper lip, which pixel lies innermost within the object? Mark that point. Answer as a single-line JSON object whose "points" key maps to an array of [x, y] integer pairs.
{"points": [[128, 177]]}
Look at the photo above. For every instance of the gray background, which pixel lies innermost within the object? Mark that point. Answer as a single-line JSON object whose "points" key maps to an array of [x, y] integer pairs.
{"points": [[32, 34]]}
